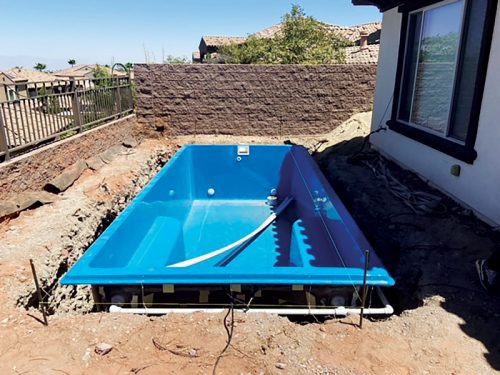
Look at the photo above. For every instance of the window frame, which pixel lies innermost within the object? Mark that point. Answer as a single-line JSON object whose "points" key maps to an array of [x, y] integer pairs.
{"points": [[424, 10], [462, 150]]}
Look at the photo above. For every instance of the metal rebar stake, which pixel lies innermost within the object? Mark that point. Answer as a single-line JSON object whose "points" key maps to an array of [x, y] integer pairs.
{"points": [[363, 293], [39, 293]]}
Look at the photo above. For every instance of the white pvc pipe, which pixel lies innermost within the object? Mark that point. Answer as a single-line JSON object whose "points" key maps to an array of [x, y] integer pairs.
{"points": [[339, 311], [264, 225], [336, 311]]}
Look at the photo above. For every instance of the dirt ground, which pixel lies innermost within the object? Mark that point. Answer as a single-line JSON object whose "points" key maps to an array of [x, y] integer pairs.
{"points": [[445, 323]]}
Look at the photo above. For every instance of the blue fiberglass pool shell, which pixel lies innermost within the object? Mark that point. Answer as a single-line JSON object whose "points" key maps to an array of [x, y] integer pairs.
{"points": [[209, 196]]}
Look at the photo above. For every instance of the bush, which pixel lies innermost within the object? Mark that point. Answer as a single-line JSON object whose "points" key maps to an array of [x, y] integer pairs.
{"points": [[176, 60], [102, 76], [50, 104]]}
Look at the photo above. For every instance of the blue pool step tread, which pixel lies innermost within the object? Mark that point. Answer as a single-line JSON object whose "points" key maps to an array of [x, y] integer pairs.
{"points": [[261, 253], [163, 239]]}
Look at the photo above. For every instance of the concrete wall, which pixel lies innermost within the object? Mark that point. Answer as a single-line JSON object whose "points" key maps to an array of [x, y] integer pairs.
{"points": [[478, 185], [252, 99]]}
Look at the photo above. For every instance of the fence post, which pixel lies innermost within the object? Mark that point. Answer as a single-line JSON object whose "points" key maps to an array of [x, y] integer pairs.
{"points": [[119, 98], [77, 116], [4, 145]]}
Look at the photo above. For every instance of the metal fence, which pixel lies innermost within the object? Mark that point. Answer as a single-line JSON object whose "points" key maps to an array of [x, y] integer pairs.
{"points": [[42, 112]]}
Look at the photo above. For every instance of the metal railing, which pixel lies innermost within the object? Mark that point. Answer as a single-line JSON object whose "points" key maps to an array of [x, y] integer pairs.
{"points": [[42, 112]]}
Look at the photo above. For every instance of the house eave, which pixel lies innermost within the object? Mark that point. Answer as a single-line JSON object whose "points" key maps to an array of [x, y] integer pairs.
{"points": [[382, 5]]}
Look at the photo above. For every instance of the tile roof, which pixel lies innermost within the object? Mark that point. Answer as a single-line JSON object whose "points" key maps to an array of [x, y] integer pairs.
{"points": [[217, 41], [84, 71], [76, 71], [368, 55], [29, 75], [268, 32], [350, 33]]}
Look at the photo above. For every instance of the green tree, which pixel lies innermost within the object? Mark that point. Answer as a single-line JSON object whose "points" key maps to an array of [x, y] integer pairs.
{"points": [[301, 40], [103, 98], [102, 76], [40, 67], [170, 59], [101, 72], [439, 48], [72, 62], [129, 66]]}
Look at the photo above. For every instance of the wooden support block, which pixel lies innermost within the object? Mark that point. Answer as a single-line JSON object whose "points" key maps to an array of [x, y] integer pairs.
{"points": [[204, 294], [135, 301], [168, 288], [148, 300], [235, 288]]}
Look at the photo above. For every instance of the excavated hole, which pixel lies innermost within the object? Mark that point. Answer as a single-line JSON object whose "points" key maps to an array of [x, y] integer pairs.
{"points": [[85, 225]]}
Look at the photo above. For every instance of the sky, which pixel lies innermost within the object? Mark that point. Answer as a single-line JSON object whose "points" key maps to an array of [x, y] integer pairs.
{"points": [[107, 31]]}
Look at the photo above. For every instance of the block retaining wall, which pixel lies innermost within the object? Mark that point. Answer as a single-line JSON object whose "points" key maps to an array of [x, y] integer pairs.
{"points": [[252, 99]]}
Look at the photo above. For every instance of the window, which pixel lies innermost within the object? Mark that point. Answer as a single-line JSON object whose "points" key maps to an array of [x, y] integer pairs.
{"points": [[12, 95], [442, 65]]}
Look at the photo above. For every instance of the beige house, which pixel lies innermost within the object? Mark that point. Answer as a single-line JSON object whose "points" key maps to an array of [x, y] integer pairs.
{"points": [[85, 71], [209, 45], [19, 83]]}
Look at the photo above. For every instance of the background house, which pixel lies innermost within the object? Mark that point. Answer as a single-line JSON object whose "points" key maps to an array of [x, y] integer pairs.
{"points": [[365, 39], [196, 57], [85, 71], [437, 95], [19, 83], [209, 45]]}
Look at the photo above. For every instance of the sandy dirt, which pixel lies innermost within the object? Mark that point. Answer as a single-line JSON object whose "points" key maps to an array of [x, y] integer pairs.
{"points": [[445, 323]]}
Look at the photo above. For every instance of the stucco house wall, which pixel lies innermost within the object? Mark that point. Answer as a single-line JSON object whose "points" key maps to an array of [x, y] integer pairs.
{"points": [[478, 185], [4, 89]]}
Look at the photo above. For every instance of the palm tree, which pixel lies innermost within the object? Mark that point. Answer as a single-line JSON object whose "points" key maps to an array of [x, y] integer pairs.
{"points": [[40, 67], [72, 62]]}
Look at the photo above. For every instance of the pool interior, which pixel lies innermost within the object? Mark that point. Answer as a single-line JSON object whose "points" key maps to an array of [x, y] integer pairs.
{"points": [[210, 196]]}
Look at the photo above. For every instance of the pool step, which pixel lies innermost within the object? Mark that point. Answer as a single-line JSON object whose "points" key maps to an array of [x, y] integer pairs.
{"points": [[162, 243]]}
